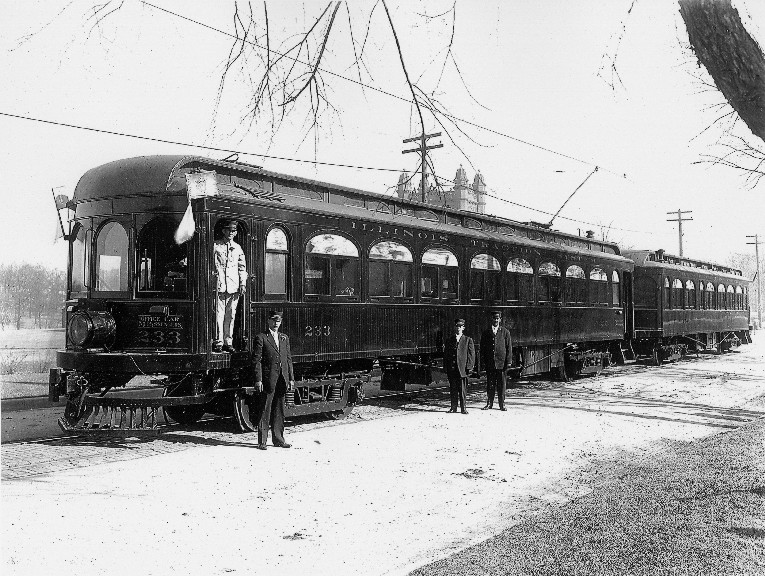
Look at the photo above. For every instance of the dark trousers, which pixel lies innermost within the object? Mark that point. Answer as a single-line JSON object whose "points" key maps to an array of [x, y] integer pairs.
{"points": [[270, 413], [457, 387], [496, 380]]}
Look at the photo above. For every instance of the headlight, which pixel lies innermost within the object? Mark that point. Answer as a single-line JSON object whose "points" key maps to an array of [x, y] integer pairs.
{"points": [[91, 329]]}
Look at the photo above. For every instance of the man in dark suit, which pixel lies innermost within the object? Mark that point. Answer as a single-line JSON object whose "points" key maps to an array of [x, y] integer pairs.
{"points": [[496, 357], [459, 359], [274, 377]]}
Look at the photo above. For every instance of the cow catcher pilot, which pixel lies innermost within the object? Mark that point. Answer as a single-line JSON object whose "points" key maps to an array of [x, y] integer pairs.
{"points": [[231, 270]]}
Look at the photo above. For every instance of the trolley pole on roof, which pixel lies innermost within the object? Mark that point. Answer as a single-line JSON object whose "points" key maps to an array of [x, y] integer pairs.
{"points": [[680, 221], [759, 291], [423, 151]]}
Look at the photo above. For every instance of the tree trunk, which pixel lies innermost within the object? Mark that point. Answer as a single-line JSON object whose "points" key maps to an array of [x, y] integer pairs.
{"points": [[732, 57]]}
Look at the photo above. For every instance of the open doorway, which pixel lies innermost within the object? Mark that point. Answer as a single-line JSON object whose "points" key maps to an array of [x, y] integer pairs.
{"points": [[231, 263]]}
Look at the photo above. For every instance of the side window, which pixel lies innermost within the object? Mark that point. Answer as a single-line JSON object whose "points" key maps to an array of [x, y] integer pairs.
{"points": [[690, 294], [161, 262], [390, 270], [677, 293], [576, 285], [615, 289], [667, 294], [729, 297], [549, 282], [485, 276], [331, 267], [709, 297], [599, 286], [720, 305], [739, 298], [79, 274], [520, 280], [112, 258], [439, 274], [276, 264]]}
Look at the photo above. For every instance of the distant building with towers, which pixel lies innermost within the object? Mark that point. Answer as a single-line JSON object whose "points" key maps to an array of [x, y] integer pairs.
{"points": [[462, 196]]}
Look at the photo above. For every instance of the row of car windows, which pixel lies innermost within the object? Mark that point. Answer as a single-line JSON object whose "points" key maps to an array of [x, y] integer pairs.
{"points": [[681, 294], [332, 269]]}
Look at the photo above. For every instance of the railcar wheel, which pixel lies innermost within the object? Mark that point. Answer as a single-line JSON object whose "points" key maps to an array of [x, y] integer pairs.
{"points": [[185, 415], [339, 414], [245, 412]]}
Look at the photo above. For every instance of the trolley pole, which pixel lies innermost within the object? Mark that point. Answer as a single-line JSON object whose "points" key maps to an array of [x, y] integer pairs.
{"points": [[680, 221], [423, 151], [759, 285]]}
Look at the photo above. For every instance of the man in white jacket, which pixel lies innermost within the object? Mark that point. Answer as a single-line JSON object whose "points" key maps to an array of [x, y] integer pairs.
{"points": [[231, 269]]}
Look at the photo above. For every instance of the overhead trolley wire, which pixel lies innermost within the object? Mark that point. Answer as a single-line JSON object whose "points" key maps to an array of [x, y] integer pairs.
{"points": [[284, 158]]}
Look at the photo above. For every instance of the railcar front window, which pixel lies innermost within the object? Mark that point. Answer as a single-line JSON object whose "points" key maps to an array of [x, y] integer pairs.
{"points": [[332, 267], [390, 270], [485, 274], [549, 282], [439, 274], [520, 280], [112, 258], [576, 285], [161, 263], [78, 262], [277, 249], [615, 291]]}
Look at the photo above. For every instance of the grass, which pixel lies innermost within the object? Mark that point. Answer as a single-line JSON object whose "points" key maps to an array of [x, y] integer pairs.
{"points": [[692, 508]]}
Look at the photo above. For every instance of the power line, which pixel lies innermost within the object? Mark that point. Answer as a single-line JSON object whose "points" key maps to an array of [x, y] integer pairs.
{"points": [[386, 93], [202, 146], [287, 159]]}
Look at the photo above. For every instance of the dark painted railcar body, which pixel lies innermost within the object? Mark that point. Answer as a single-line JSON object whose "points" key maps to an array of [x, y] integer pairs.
{"points": [[683, 304], [360, 277]]}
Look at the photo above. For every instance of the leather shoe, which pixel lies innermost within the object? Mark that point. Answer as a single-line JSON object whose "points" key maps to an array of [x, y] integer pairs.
{"points": [[261, 447], [452, 410], [487, 407], [283, 445], [503, 409], [228, 348], [464, 411]]}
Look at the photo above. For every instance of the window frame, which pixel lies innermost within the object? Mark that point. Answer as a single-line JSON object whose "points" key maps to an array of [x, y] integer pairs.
{"points": [[170, 223], [125, 227], [440, 274], [277, 296], [331, 260], [550, 284], [390, 263], [485, 274]]}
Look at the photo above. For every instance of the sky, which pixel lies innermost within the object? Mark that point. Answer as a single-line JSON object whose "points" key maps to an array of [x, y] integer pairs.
{"points": [[539, 109]]}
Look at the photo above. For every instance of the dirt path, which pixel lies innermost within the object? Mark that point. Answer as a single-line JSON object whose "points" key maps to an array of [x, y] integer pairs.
{"points": [[399, 487]]}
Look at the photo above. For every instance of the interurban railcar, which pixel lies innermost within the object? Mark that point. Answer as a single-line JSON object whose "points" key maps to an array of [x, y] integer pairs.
{"points": [[685, 305], [360, 278]]}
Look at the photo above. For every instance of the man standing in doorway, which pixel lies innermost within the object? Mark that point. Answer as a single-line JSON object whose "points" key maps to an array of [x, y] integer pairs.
{"points": [[274, 377], [459, 359], [496, 357], [231, 270]]}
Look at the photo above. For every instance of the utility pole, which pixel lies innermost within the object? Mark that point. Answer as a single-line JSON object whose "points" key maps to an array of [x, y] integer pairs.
{"points": [[759, 285], [423, 151], [680, 221]]}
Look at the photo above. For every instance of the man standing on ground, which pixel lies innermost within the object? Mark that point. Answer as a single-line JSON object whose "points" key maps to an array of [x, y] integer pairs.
{"points": [[496, 357], [274, 377], [459, 359], [231, 270]]}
